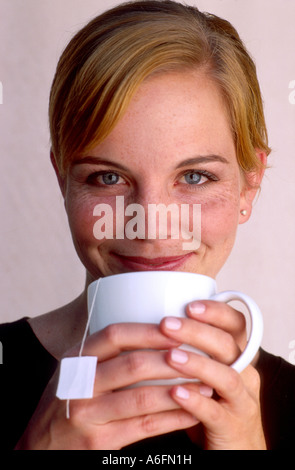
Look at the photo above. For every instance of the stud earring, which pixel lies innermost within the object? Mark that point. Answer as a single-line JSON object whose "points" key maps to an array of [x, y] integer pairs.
{"points": [[244, 212]]}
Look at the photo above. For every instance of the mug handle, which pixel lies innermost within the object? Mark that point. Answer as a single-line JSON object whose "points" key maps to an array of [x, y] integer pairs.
{"points": [[256, 331]]}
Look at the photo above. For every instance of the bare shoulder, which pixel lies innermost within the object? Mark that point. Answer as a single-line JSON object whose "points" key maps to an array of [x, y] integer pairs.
{"points": [[61, 329]]}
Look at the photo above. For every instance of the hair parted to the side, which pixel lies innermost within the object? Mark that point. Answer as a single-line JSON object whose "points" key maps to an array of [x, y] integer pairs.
{"points": [[105, 62]]}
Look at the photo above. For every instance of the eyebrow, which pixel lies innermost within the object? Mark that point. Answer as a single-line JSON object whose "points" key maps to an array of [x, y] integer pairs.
{"points": [[202, 159], [99, 161], [189, 161]]}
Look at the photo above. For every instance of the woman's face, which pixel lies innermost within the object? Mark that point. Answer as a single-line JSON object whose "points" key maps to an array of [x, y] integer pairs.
{"points": [[172, 146]]}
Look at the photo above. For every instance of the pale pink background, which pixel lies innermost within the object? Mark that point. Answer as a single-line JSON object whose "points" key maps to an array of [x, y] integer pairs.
{"points": [[39, 268]]}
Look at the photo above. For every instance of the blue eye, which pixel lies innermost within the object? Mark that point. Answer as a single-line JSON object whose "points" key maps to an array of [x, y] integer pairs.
{"points": [[104, 178], [193, 178], [198, 178], [109, 178]]}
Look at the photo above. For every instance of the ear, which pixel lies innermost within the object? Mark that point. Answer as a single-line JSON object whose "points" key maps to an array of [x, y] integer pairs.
{"points": [[61, 179], [251, 186]]}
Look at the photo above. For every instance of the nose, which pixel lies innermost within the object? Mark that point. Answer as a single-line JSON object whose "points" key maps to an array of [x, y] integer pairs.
{"points": [[152, 195], [152, 215]]}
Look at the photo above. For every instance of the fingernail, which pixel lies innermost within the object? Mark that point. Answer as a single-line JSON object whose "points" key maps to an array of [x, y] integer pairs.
{"points": [[179, 356], [181, 392], [206, 391], [172, 323], [197, 307]]}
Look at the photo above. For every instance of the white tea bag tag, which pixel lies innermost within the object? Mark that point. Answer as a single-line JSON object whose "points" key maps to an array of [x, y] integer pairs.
{"points": [[76, 378]]}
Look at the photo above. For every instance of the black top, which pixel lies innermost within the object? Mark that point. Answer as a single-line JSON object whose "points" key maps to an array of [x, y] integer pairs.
{"points": [[27, 367]]}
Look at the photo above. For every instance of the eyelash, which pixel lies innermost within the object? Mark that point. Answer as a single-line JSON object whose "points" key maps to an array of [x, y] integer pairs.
{"points": [[93, 177], [205, 173]]}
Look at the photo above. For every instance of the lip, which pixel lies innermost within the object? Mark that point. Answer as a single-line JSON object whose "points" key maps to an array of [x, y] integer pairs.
{"points": [[139, 263]]}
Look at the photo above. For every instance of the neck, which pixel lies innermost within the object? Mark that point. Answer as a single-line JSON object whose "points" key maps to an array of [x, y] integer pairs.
{"points": [[62, 330]]}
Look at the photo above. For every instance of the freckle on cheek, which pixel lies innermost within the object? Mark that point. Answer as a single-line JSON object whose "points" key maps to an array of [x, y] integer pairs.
{"points": [[219, 216], [219, 206]]}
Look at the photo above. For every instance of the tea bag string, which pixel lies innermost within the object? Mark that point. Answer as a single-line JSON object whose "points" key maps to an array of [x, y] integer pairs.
{"points": [[84, 338], [89, 318]]}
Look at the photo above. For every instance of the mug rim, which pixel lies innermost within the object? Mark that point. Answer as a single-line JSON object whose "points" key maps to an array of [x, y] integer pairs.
{"points": [[154, 273]]}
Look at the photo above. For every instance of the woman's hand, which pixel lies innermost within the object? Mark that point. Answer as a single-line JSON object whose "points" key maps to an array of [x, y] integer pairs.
{"points": [[232, 420], [117, 417], [113, 418]]}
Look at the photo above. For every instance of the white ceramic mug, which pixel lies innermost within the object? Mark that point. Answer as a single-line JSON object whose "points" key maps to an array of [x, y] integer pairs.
{"points": [[148, 296]]}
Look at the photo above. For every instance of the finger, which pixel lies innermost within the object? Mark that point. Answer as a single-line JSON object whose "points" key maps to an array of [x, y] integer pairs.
{"points": [[213, 341], [137, 429], [125, 404], [130, 368], [139, 401], [206, 410], [116, 434], [220, 315], [223, 379], [120, 337], [223, 418]]}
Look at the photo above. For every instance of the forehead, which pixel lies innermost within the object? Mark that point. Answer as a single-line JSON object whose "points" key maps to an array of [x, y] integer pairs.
{"points": [[172, 114]]}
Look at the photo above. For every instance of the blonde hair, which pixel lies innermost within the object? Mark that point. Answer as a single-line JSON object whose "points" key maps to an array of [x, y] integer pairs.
{"points": [[105, 62]]}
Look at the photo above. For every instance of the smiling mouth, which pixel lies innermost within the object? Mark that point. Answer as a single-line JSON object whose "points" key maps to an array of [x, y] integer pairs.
{"points": [[139, 263]]}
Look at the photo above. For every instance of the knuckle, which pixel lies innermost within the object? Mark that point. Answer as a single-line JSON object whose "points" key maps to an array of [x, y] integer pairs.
{"points": [[152, 334], [136, 363], [98, 440], [113, 334], [241, 322], [89, 441], [144, 399], [78, 412], [149, 424]]}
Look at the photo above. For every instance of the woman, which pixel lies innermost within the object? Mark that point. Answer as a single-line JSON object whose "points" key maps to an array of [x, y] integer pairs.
{"points": [[158, 103]]}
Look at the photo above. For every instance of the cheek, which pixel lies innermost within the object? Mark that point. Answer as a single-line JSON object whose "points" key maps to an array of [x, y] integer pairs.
{"points": [[81, 219], [220, 218]]}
